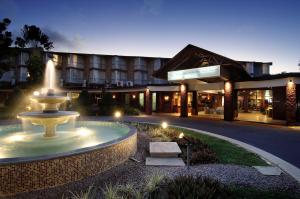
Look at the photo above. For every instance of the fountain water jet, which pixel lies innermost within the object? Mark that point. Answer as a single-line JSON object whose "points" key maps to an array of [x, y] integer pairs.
{"points": [[50, 116]]}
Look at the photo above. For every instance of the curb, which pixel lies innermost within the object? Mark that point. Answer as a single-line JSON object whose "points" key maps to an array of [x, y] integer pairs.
{"points": [[282, 164]]}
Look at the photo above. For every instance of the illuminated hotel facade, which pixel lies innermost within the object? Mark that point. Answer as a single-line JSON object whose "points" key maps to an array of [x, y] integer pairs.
{"points": [[195, 82]]}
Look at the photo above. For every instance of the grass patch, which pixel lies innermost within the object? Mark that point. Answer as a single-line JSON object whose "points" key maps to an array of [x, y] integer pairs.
{"points": [[226, 152]]}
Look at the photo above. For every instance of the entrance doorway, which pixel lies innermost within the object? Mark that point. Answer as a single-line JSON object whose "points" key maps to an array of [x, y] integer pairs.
{"points": [[255, 105]]}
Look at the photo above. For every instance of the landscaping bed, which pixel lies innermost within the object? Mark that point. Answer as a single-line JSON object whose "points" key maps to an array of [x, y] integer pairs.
{"points": [[220, 175]]}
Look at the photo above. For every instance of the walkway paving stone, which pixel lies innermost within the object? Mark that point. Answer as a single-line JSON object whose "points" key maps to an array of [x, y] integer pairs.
{"points": [[150, 161]]}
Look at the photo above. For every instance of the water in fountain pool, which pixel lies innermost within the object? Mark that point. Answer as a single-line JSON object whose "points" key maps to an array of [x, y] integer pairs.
{"points": [[17, 143]]}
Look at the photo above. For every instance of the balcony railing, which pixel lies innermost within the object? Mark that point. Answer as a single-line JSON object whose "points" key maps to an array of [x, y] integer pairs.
{"points": [[140, 82], [93, 80]]}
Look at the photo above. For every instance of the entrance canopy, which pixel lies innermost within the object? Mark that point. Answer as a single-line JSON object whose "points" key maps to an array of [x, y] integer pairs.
{"points": [[196, 63]]}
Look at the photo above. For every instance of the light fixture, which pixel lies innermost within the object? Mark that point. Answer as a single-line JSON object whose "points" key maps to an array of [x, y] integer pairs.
{"points": [[181, 135], [36, 93], [164, 125], [117, 114], [114, 96], [133, 96], [182, 88], [166, 97]]}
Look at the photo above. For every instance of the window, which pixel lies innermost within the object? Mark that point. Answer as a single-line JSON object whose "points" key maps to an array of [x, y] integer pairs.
{"points": [[74, 76], [118, 76], [75, 61], [24, 58], [157, 64], [23, 74], [96, 62], [139, 64], [140, 78], [97, 77], [141, 99], [57, 60], [119, 63]]}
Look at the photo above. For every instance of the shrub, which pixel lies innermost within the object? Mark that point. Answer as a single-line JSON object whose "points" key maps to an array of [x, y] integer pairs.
{"points": [[84, 103], [89, 194], [131, 111], [15, 103], [192, 187]]}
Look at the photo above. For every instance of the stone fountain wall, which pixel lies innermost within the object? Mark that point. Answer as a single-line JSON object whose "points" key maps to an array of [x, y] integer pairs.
{"points": [[41, 174]]}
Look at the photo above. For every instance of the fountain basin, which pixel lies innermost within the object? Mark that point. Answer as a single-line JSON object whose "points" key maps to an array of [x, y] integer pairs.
{"points": [[48, 120], [71, 157]]}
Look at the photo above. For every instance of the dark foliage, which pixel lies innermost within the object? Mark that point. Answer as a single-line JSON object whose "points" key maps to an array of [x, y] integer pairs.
{"points": [[84, 103], [33, 37], [36, 68], [200, 152], [15, 102], [5, 43], [189, 187]]}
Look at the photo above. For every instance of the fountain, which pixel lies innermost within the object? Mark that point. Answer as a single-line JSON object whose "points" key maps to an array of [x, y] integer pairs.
{"points": [[50, 116], [49, 150]]}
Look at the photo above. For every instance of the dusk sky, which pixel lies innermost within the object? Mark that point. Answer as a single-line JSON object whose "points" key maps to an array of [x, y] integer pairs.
{"points": [[256, 30]]}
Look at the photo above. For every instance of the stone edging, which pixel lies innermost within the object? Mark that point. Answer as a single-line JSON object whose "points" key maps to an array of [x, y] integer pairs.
{"points": [[282, 164]]}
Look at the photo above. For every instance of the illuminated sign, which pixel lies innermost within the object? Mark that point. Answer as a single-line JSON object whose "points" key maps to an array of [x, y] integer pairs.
{"points": [[195, 73]]}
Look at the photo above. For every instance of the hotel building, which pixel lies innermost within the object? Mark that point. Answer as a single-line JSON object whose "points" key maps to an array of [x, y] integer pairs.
{"points": [[194, 82]]}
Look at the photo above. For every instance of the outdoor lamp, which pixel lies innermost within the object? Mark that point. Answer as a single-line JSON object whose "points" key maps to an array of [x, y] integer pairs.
{"points": [[117, 114], [188, 145], [164, 125]]}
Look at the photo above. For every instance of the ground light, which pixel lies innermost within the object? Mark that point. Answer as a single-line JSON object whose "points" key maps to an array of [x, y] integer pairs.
{"points": [[118, 115], [164, 125], [188, 145]]}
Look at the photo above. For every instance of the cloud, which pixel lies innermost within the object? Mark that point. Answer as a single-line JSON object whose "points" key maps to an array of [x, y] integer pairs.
{"points": [[62, 42], [152, 6]]}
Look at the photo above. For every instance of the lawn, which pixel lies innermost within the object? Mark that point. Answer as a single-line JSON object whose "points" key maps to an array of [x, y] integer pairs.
{"points": [[227, 152]]}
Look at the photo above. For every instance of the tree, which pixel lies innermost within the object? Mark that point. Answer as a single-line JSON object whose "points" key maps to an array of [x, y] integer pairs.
{"points": [[33, 37], [36, 68], [5, 43], [15, 102]]}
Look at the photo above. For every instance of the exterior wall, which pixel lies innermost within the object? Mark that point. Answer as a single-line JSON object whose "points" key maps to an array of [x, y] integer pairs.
{"points": [[76, 69], [279, 98], [41, 174], [291, 103]]}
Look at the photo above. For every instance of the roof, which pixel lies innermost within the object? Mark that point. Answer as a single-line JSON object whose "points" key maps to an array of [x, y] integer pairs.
{"points": [[275, 76], [192, 57]]}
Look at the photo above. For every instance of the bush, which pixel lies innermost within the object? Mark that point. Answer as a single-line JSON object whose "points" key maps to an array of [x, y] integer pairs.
{"points": [[191, 187], [15, 103], [127, 110], [84, 103]]}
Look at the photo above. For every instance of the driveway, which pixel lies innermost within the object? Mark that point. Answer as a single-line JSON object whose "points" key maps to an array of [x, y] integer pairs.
{"points": [[281, 141]]}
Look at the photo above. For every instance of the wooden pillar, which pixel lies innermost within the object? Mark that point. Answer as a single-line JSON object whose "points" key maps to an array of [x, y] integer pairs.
{"points": [[195, 103], [183, 100], [291, 102], [229, 101], [148, 102]]}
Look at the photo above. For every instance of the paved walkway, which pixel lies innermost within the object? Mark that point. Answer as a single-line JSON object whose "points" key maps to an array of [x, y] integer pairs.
{"points": [[281, 141]]}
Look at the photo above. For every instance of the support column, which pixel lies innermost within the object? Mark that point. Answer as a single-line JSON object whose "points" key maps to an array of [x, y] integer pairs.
{"points": [[195, 103], [183, 100], [148, 102], [229, 102], [291, 102]]}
